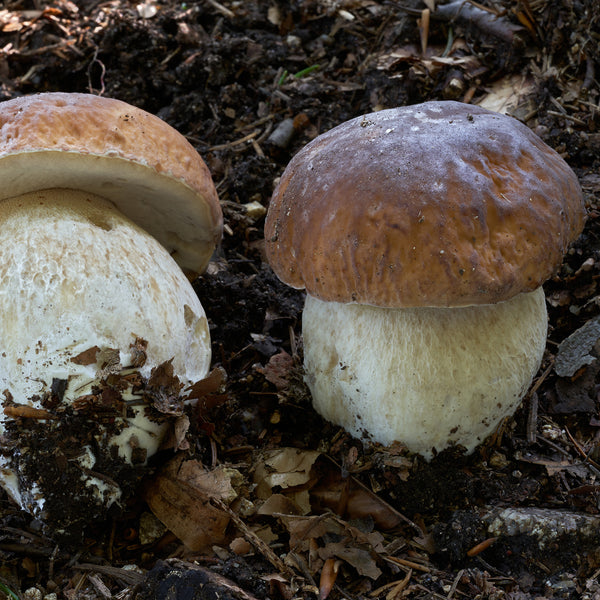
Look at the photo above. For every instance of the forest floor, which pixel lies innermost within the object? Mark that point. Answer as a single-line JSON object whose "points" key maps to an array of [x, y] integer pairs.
{"points": [[295, 507]]}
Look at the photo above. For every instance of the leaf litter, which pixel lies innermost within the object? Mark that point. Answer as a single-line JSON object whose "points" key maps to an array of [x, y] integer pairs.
{"points": [[282, 504]]}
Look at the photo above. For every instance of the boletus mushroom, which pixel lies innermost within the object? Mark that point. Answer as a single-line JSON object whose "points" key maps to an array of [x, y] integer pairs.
{"points": [[102, 208], [423, 235]]}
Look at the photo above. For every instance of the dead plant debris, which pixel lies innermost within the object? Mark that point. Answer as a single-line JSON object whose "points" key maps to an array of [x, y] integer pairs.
{"points": [[254, 496]]}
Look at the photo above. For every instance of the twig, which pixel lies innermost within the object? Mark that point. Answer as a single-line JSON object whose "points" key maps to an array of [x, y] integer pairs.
{"points": [[575, 120], [222, 9], [407, 563], [580, 450], [484, 20], [26, 550], [532, 418], [126, 576], [228, 145], [536, 386], [566, 453], [99, 586], [44, 49], [393, 588], [251, 537], [455, 583], [466, 13]]}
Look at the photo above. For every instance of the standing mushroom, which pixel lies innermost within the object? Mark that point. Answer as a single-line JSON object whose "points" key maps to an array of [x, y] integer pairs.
{"points": [[423, 235], [100, 329]]}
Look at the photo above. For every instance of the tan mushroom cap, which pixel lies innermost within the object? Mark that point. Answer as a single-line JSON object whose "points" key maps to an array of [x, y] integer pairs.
{"points": [[438, 204], [107, 147]]}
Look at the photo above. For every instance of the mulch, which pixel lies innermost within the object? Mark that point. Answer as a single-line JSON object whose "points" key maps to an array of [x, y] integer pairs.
{"points": [[302, 509]]}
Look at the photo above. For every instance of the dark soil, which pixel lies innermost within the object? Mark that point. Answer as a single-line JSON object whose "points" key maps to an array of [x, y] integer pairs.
{"points": [[249, 83]]}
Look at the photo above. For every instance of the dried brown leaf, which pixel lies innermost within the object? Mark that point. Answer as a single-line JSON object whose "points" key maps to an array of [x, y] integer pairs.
{"points": [[312, 482], [180, 497], [283, 468], [278, 369], [211, 384], [138, 352], [345, 496], [109, 361], [352, 545], [163, 389], [361, 559], [508, 94], [177, 439], [280, 504], [87, 357]]}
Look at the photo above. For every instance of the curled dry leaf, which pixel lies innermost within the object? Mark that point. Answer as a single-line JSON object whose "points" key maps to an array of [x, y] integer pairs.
{"points": [[362, 559], [211, 384], [282, 504], [208, 392], [163, 389], [176, 437], [352, 500], [357, 548], [508, 94], [138, 352], [284, 468], [109, 362]]}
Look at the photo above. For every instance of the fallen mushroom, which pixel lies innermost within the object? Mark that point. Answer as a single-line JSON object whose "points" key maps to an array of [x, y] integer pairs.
{"points": [[101, 330], [423, 235]]}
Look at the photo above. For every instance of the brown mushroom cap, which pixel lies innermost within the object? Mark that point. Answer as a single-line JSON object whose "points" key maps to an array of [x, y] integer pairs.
{"points": [[438, 204], [107, 147]]}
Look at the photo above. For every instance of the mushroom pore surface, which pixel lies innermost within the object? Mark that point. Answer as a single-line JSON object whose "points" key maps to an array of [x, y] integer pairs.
{"points": [[426, 377]]}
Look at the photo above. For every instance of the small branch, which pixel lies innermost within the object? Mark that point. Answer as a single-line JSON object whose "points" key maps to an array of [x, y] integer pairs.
{"points": [[465, 13], [251, 537]]}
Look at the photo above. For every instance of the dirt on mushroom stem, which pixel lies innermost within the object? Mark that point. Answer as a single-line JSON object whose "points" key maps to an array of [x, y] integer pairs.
{"points": [[66, 465]]}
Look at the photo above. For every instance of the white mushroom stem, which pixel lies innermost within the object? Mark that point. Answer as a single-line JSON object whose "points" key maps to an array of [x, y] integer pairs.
{"points": [[426, 377], [75, 274]]}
